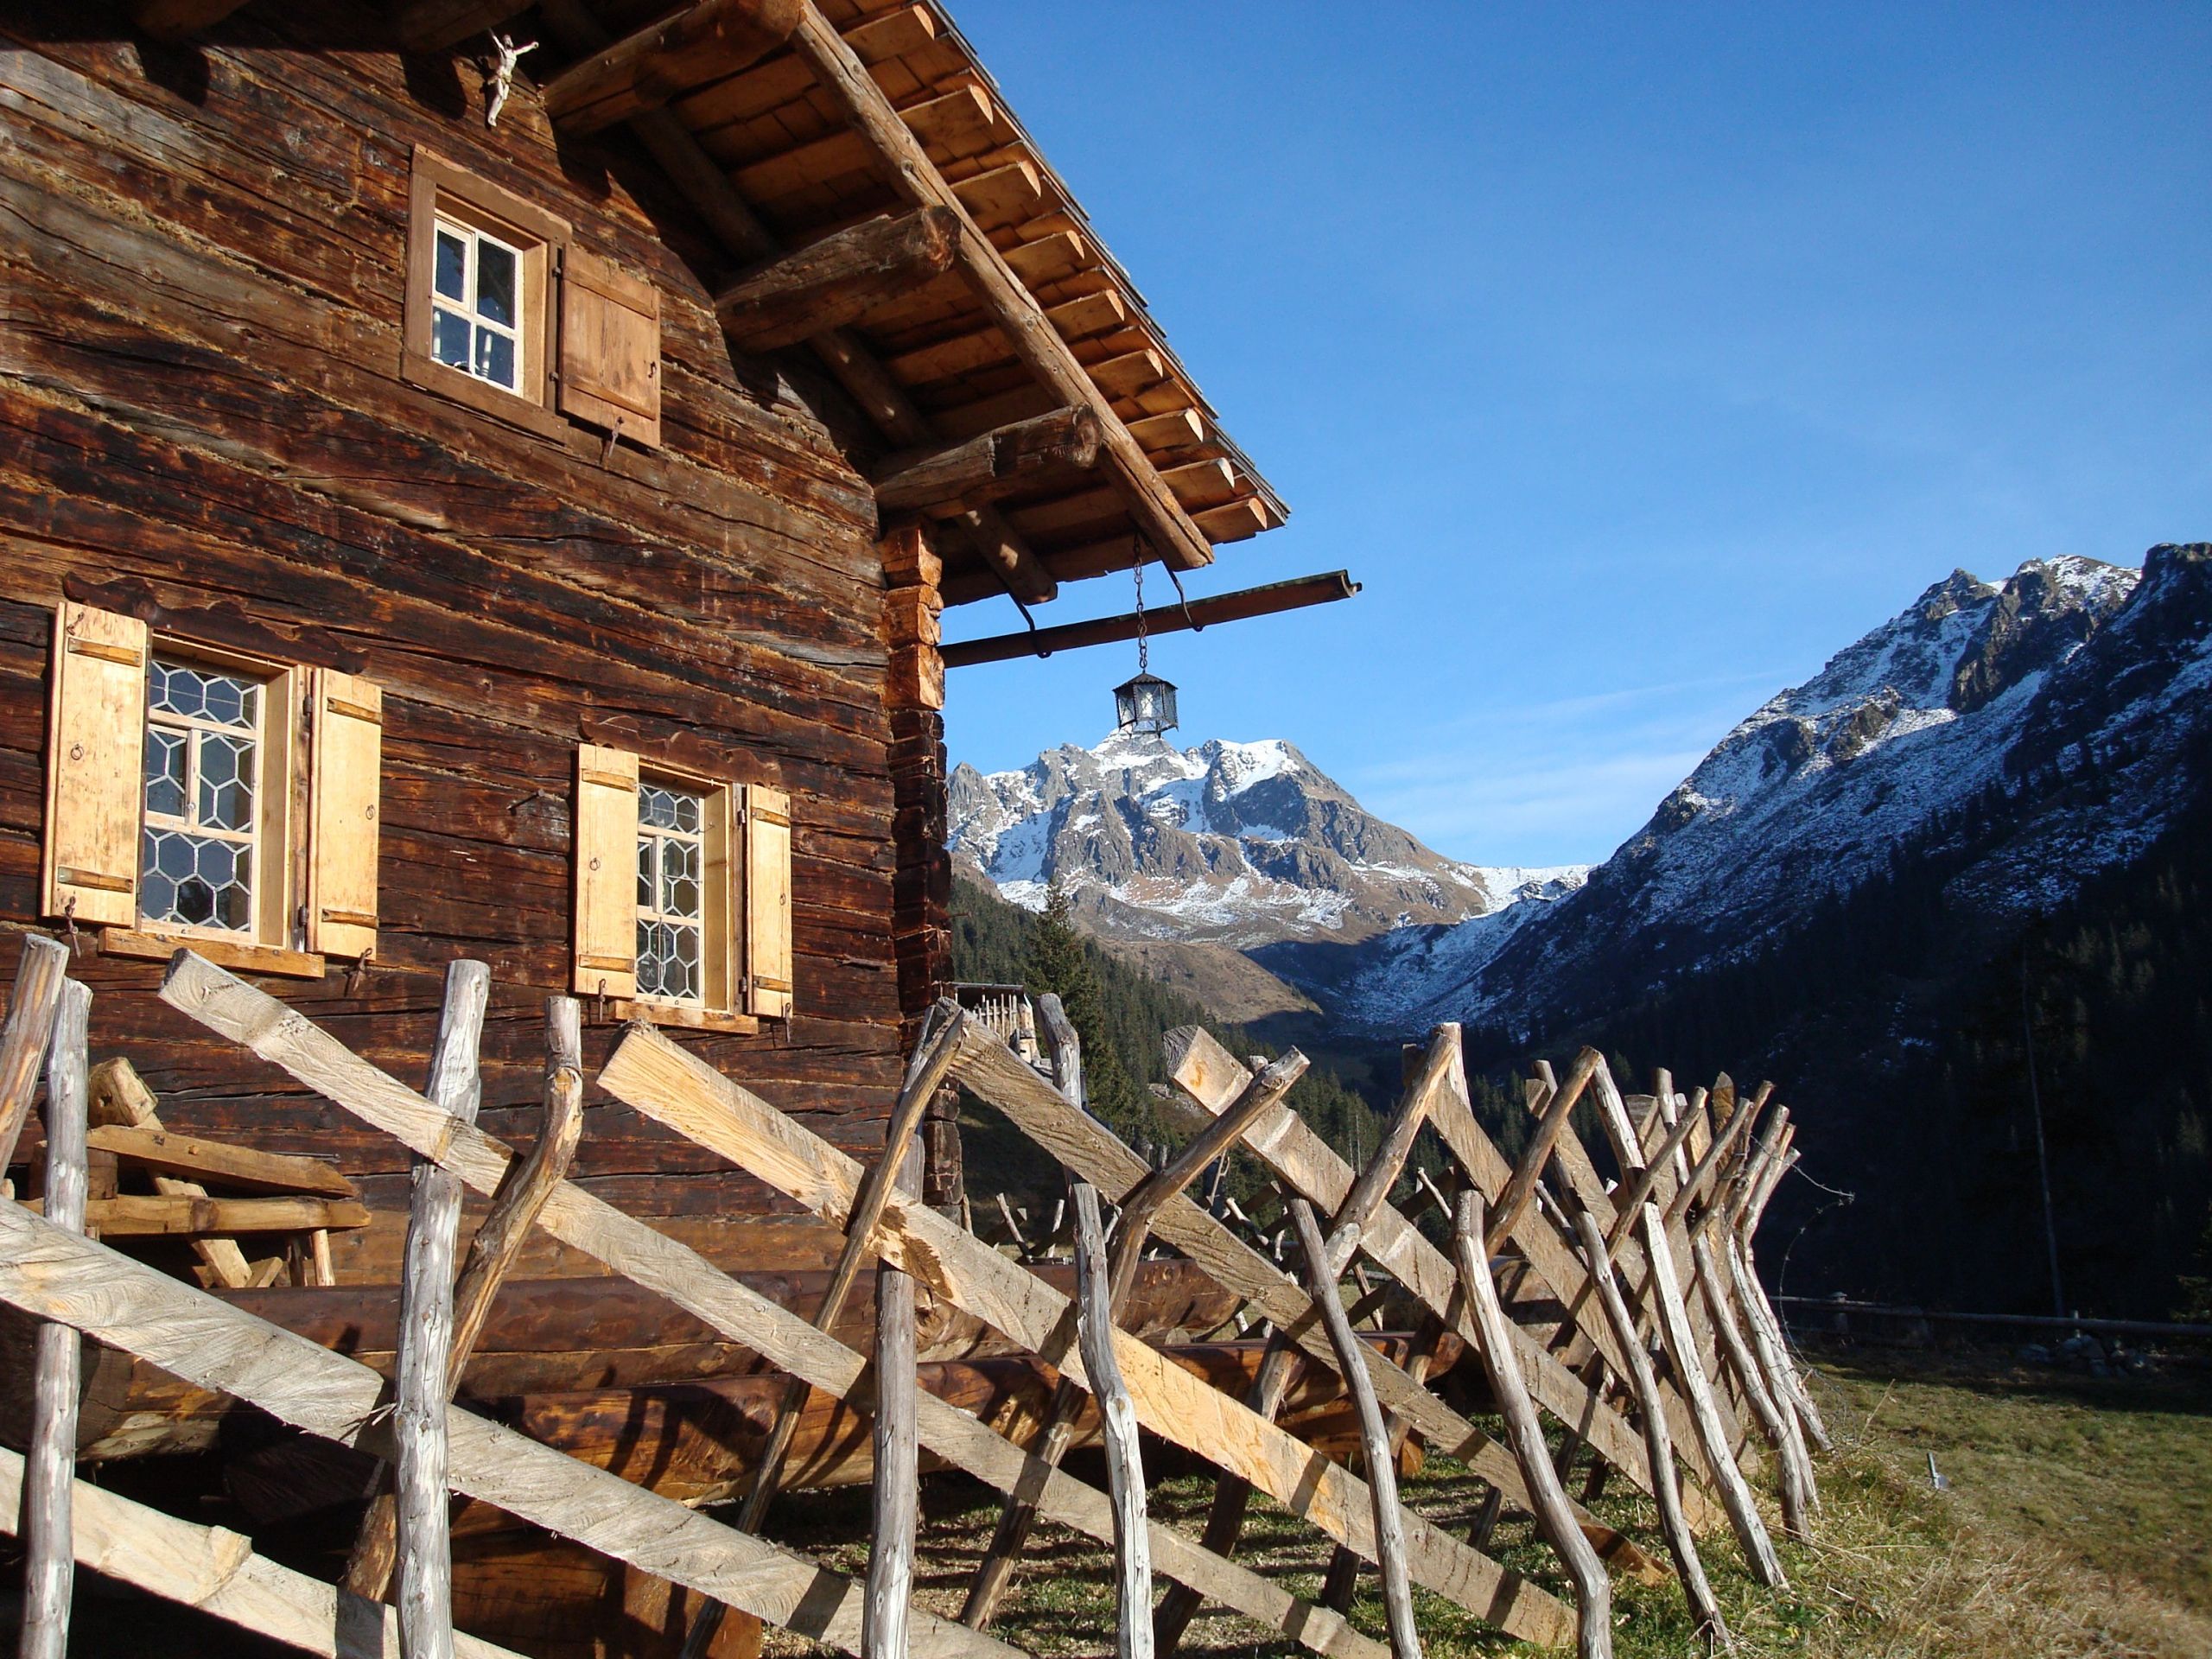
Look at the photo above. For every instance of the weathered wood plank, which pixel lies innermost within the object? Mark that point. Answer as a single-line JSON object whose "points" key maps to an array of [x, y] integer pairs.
{"points": [[31, 1002], [218, 1573], [1593, 1591], [189, 1156]]}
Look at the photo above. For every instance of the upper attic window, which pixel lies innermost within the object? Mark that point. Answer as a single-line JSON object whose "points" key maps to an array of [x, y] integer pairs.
{"points": [[478, 304], [505, 313]]}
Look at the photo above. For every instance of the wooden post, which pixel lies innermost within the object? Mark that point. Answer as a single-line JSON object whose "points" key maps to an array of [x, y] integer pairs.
{"points": [[1760, 1312], [1778, 1420], [1593, 1591], [50, 1468], [1375, 1438], [926, 1074], [1521, 1191], [1689, 1374], [1279, 1363], [1139, 1209], [1426, 1072], [426, 1335], [1680, 1542], [896, 1511], [530, 1180], [1124, 1467], [39, 972]]}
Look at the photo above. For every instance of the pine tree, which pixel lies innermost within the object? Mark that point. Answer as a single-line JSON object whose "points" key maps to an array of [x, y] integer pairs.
{"points": [[1060, 960]]}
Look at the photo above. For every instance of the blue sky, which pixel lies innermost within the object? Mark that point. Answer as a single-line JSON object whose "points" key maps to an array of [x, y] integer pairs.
{"points": [[1636, 359]]}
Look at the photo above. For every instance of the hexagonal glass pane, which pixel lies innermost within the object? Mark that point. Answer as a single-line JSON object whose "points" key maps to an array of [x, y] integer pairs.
{"points": [[182, 691], [225, 782], [688, 810], [656, 806], [646, 882], [164, 771], [679, 878]]}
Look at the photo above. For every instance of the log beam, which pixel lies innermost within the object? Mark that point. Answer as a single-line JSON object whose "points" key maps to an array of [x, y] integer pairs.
{"points": [[905, 164], [177, 20], [836, 281], [644, 71], [946, 480]]}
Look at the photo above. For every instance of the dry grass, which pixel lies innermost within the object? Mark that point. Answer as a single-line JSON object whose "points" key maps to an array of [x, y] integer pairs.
{"points": [[2076, 1525]]}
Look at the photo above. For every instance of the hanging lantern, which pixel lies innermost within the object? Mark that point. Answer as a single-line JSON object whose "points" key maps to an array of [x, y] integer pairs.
{"points": [[1146, 703]]}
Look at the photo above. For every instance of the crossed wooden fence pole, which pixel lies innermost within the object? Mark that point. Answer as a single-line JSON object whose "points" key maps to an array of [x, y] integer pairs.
{"points": [[1134, 1230], [53, 1277], [699, 1102]]}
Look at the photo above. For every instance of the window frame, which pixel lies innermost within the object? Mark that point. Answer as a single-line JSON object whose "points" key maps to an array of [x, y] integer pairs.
{"points": [[718, 929], [280, 803], [438, 189]]}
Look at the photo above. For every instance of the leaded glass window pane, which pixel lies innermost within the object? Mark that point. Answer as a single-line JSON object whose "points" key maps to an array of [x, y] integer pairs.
{"points": [[201, 776], [671, 893]]}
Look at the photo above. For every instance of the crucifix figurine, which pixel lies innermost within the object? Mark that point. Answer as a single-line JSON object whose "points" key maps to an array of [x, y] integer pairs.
{"points": [[500, 79]]}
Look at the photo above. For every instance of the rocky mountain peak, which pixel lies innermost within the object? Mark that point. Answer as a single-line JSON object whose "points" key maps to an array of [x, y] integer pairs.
{"points": [[1243, 843]]}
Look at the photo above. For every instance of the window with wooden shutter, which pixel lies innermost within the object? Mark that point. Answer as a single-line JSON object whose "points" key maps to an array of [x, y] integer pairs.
{"points": [[767, 901], [95, 728], [607, 872], [345, 783], [610, 348]]}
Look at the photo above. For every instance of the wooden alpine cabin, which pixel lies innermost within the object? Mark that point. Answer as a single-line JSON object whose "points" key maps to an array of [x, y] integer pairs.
{"points": [[482, 481]]}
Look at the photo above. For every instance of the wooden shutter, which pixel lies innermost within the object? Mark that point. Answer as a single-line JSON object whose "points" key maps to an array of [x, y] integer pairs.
{"points": [[607, 872], [96, 737], [610, 348], [344, 787], [767, 901]]}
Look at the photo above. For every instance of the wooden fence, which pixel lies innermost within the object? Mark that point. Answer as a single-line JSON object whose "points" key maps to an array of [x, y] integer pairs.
{"points": [[1628, 1314]]}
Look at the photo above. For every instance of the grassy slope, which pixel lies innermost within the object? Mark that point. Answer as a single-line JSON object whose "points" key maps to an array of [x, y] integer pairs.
{"points": [[2079, 1523]]}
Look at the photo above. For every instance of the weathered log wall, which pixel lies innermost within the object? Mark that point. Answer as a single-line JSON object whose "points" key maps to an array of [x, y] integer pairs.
{"points": [[202, 422]]}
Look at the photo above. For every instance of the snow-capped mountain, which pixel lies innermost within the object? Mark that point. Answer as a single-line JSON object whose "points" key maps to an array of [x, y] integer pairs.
{"points": [[2073, 685], [1240, 844]]}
